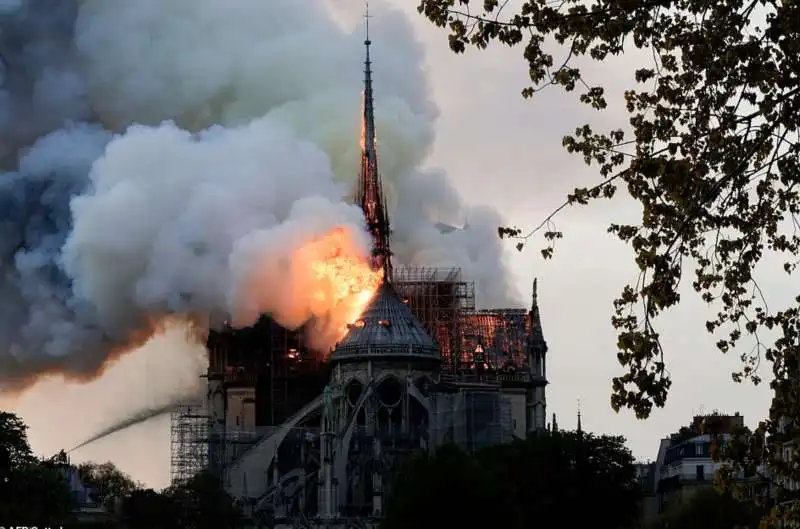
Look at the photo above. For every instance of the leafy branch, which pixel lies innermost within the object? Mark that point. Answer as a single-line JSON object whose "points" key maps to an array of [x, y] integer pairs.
{"points": [[709, 153]]}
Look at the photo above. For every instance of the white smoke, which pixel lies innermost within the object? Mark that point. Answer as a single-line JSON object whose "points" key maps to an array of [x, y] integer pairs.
{"points": [[167, 209], [235, 134]]}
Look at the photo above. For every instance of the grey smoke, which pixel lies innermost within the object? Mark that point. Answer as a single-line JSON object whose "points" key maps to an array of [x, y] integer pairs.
{"points": [[41, 321], [166, 158], [41, 87]]}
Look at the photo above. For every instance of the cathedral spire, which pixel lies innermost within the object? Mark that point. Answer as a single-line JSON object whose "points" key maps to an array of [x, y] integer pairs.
{"points": [[369, 194]]}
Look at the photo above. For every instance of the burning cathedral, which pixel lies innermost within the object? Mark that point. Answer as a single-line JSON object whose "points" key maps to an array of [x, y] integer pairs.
{"points": [[299, 439]]}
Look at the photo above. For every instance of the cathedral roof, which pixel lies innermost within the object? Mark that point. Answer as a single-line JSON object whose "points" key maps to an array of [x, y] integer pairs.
{"points": [[386, 329]]}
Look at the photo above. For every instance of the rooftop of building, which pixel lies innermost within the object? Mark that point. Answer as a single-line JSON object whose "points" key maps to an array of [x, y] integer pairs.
{"points": [[710, 423], [387, 328]]}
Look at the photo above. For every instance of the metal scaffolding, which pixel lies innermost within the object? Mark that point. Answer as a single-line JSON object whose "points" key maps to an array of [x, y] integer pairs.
{"points": [[444, 303], [439, 298], [188, 441]]}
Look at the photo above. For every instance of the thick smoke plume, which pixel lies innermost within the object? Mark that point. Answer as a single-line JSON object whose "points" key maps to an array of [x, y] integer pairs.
{"points": [[164, 159]]}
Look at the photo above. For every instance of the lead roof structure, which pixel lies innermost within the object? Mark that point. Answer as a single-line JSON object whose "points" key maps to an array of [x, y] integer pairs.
{"points": [[386, 329]]}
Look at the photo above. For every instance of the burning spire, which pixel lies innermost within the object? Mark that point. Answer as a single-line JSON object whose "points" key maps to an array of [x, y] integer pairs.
{"points": [[369, 194]]}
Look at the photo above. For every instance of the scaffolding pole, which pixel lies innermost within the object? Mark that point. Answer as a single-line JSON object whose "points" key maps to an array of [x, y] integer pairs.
{"points": [[439, 298], [188, 441], [469, 339]]}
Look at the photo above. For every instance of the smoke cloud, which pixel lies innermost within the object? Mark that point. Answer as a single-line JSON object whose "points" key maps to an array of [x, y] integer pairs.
{"points": [[40, 86], [161, 156]]}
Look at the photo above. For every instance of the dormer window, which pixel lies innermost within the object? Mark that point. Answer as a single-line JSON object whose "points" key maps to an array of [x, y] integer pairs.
{"points": [[356, 324]]}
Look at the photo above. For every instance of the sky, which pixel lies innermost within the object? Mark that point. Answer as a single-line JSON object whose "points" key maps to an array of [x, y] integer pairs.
{"points": [[506, 152]]}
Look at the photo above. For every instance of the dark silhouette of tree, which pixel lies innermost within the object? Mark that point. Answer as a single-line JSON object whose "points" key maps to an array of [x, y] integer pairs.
{"points": [[520, 485], [37, 492], [709, 152], [15, 452], [200, 503], [29, 489], [596, 472], [204, 504], [107, 480], [448, 489], [148, 509], [711, 509]]}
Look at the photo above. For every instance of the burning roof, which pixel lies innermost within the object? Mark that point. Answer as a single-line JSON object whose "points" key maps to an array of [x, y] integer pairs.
{"points": [[386, 329]]}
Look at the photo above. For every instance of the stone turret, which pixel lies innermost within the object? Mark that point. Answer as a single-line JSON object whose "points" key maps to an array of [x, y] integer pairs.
{"points": [[535, 399]]}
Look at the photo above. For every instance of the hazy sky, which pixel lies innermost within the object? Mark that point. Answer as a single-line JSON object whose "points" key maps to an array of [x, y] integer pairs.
{"points": [[503, 151]]}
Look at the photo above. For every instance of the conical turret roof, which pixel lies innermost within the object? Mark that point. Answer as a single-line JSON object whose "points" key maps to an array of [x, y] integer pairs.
{"points": [[386, 329]]}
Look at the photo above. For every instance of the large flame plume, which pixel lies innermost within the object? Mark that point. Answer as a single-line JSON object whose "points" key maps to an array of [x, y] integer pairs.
{"points": [[347, 282]]}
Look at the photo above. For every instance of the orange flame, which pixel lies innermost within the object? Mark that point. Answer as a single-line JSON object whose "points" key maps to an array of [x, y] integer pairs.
{"points": [[346, 282]]}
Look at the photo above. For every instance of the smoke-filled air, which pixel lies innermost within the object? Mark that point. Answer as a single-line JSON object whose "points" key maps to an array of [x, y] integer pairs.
{"points": [[194, 160]]}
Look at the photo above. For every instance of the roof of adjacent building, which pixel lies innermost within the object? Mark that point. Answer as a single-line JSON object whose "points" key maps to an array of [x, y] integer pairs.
{"points": [[387, 328]]}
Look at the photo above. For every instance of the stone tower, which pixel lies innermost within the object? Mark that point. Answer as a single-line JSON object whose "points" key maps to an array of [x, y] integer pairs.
{"points": [[535, 399], [383, 371]]}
